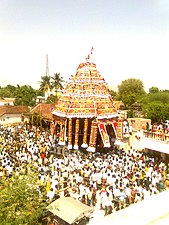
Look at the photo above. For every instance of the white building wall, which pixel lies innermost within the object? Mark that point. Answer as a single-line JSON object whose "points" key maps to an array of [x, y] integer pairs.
{"points": [[7, 101], [12, 118]]}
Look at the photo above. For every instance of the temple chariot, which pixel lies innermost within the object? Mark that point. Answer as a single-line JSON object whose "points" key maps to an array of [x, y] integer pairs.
{"points": [[85, 115]]}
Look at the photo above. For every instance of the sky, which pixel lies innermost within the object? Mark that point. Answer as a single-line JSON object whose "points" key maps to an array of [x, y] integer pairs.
{"points": [[130, 40]]}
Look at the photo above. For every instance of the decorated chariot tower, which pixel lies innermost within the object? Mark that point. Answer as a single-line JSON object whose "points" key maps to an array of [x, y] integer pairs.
{"points": [[85, 115]]}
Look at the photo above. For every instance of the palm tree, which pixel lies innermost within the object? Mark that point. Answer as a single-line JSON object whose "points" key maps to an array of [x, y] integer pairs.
{"points": [[57, 81], [45, 83]]}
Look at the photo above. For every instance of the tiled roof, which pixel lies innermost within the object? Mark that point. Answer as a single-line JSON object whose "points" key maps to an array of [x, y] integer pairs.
{"points": [[10, 109], [44, 109]]}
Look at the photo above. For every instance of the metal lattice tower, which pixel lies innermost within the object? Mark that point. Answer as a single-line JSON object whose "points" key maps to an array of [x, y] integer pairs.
{"points": [[47, 67]]}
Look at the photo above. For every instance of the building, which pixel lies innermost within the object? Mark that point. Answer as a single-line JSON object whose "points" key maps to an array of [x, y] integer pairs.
{"points": [[41, 115], [7, 101], [14, 114], [138, 123]]}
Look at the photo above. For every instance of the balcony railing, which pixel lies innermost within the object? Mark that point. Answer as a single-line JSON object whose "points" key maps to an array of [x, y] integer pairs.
{"points": [[157, 135]]}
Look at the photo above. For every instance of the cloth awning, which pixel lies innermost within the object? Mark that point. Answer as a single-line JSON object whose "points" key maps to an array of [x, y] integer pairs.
{"points": [[69, 209]]}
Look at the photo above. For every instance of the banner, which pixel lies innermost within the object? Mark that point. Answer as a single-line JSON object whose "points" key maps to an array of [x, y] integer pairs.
{"points": [[117, 126], [104, 135]]}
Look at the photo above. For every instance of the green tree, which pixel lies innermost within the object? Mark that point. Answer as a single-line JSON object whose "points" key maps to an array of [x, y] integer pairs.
{"points": [[130, 114], [8, 91], [45, 84], [113, 94], [153, 90], [57, 81], [130, 90], [161, 97], [39, 92], [25, 95], [20, 201], [52, 99], [155, 106], [157, 111]]}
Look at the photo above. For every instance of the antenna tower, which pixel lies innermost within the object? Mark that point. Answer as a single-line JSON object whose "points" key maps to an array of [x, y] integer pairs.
{"points": [[47, 67]]}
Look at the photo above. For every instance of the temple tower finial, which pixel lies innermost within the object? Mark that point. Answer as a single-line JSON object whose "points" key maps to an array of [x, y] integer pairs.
{"points": [[89, 55]]}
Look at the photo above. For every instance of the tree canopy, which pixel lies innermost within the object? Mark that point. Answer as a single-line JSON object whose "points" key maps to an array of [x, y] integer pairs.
{"points": [[130, 90], [49, 83], [160, 96], [23, 205], [155, 105], [57, 81], [153, 90], [25, 95], [8, 91]]}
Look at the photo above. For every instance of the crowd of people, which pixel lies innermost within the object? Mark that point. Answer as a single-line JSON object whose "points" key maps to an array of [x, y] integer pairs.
{"points": [[108, 181]]}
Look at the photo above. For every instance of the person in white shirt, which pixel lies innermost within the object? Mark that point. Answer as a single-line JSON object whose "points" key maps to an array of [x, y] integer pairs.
{"points": [[50, 195], [107, 204]]}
